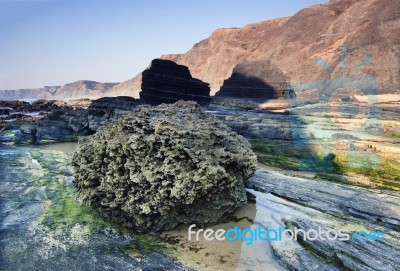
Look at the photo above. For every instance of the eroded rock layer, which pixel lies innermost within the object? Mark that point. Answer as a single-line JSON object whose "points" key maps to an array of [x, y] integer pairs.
{"points": [[162, 166]]}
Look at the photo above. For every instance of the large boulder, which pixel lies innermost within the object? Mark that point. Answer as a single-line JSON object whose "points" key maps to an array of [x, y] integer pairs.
{"points": [[48, 105], [162, 166], [167, 82]]}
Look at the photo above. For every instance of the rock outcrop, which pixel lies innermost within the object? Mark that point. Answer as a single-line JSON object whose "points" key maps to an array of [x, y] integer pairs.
{"points": [[166, 82], [317, 204], [17, 106], [36, 106], [5, 110], [162, 166], [66, 124], [255, 80], [48, 105]]}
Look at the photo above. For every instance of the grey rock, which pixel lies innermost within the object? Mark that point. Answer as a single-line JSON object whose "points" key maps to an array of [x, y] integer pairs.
{"points": [[312, 204], [162, 166]]}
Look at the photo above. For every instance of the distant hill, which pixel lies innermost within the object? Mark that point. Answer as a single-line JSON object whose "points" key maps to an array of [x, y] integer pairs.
{"points": [[76, 90], [293, 44]]}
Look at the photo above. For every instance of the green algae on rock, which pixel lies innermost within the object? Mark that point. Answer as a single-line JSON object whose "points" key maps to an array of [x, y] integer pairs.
{"points": [[162, 166]]}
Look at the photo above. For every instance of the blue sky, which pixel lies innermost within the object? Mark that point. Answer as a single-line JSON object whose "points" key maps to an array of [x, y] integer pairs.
{"points": [[53, 42]]}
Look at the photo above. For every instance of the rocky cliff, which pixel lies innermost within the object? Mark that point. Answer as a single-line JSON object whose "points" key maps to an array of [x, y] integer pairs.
{"points": [[293, 45], [77, 90]]}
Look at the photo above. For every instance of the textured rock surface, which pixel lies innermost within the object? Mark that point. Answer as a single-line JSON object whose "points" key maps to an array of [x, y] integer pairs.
{"points": [[43, 228], [162, 166], [166, 82], [255, 79], [313, 204]]}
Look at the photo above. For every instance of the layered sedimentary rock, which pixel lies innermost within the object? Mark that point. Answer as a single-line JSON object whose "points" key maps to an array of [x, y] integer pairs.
{"points": [[256, 80], [166, 82], [162, 166], [322, 206]]}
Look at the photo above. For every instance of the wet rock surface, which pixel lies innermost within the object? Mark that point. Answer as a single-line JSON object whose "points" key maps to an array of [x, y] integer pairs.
{"points": [[162, 166], [43, 228], [311, 204], [167, 82]]}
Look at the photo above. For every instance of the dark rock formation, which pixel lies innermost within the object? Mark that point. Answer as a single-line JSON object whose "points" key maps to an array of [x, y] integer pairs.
{"points": [[105, 109], [18, 106], [36, 106], [100, 111], [23, 118], [66, 124], [257, 80], [107, 104], [5, 110], [48, 105], [166, 82], [44, 131], [162, 166]]}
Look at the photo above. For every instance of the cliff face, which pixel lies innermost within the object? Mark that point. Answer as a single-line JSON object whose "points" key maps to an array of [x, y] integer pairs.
{"points": [[83, 89], [293, 44], [77, 90]]}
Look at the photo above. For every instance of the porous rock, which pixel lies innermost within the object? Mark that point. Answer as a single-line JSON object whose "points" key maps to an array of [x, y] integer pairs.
{"points": [[162, 166]]}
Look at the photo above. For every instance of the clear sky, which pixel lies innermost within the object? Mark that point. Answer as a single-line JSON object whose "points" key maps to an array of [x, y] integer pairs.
{"points": [[53, 42]]}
